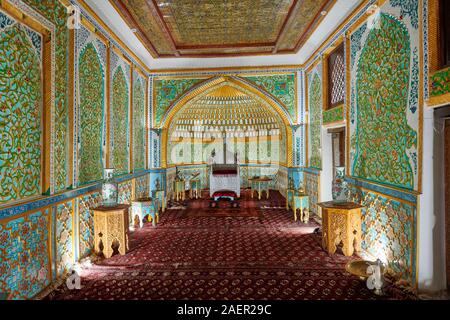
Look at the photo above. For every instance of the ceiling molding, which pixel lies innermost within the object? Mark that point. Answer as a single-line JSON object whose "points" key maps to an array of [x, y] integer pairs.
{"points": [[338, 11], [206, 25]]}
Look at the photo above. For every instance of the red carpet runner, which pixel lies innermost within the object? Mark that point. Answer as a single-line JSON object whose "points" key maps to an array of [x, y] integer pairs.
{"points": [[228, 258]]}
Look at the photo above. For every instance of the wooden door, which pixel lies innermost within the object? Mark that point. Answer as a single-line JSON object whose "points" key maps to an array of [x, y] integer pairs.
{"points": [[447, 199]]}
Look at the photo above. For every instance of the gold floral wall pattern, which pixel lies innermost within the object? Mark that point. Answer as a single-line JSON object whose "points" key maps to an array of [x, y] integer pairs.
{"points": [[56, 13], [20, 111], [92, 95], [120, 115], [139, 132], [315, 121], [385, 133], [382, 133], [173, 28]]}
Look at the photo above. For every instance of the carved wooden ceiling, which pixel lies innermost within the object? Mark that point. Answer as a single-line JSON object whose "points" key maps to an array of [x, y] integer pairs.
{"points": [[202, 28]]}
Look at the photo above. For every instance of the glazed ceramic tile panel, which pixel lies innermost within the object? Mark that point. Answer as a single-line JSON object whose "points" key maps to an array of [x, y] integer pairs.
{"points": [[142, 185], [282, 87], [335, 114], [311, 184], [126, 196], [63, 233], [157, 177], [166, 92], [86, 222], [170, 176], [384, 110], [296, 174], [55, 13], [282, 149], [21, 113], [280, 180], [299, 145], [139, 133], [120, 112], [24, 245], [126, 192], [315, 116], [155, 150], [90, 106], [389, 231], [440, 83]]}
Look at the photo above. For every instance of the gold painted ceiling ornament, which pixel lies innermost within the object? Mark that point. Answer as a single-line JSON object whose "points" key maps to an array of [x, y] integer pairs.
{"points": [[183, 28]]}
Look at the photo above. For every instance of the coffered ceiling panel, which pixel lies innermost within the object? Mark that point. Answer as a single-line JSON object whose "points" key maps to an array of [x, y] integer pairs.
{"points": [[189, 28]]}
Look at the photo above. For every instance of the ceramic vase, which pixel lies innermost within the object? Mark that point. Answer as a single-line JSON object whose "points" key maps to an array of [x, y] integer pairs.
{"points": [[340, 186], [109, 189]]}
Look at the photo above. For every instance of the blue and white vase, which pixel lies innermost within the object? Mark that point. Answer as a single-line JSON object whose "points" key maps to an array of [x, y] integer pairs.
{"points": [[110, 190], [340, 186]]}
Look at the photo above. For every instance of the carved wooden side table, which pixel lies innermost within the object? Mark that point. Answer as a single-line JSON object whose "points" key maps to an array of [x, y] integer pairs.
{"points": [[111, 228], [195, 188], [143, 207], [341, 222]]}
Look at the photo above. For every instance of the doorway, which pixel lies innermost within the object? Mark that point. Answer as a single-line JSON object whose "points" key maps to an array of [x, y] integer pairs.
{"points": [[338, 146], [441, 197], [333, 156], [447, 197]]}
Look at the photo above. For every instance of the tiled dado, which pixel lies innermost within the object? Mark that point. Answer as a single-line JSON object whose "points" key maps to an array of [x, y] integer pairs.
{"points": [[25, 265], [85, 222], [142, 186], [47, 201], [389, 226], [40, 245], [311, 183]]}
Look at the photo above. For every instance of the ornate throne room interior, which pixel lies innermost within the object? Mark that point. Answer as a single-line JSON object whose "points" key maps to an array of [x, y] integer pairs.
{"points": [[257, 149]]}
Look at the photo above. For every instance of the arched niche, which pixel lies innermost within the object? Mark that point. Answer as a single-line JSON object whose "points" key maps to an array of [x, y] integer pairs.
{"points": [[210, 85]]}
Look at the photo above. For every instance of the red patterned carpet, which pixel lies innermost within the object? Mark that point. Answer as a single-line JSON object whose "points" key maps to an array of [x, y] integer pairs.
{"points": [[268, 256]]}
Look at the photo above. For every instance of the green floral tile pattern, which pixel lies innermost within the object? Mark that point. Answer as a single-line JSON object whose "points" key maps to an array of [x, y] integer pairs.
{"points": [[139, 124], [92, 95], [20, 114], [120, 106], [56, 12], [440, 83], [383, 134], [281, 87], [167, 91], [333, 115], [315, 104]]}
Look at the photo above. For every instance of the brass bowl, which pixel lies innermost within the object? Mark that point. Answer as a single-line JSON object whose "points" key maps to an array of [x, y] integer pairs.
{"points": [[359, 268]]}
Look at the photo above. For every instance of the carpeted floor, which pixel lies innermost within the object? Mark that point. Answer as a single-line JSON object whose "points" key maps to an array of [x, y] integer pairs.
{"points": [[229, 257]]}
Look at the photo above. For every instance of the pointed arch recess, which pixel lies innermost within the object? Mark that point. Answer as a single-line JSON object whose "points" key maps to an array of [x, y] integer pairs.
{"points": [[213, 83]]}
